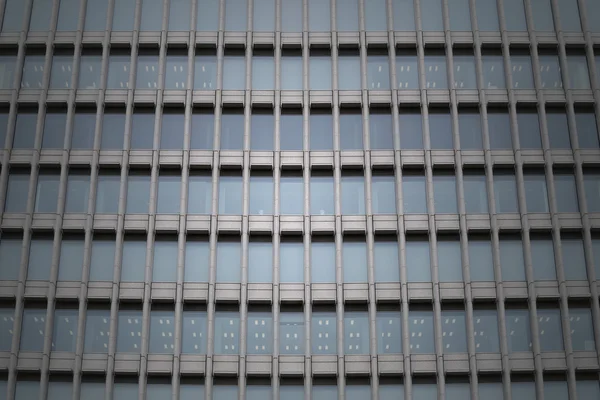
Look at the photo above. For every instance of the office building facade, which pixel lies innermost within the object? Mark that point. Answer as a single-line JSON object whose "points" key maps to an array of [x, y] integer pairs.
{"points": [[299, 199]]}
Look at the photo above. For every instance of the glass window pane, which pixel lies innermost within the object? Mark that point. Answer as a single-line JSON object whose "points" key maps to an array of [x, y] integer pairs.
{"points": [[95, 15], [407, 71], [17, 192], [158, 391], [518, 330], [199, 193], [587, 130], [486, 331], [381, 132], [445, 194], [388, 391], [147, 71], [60, 76], [113, 130], [354, 261], [179, 15], [260, 333], [555, 390], [464, 71], [550, 72], [263, 71], [84, 127], [523, 390], [321, 131], [225, 392], [197, 254], [41, 11], [230, 194], [103, 259], [347, 15], [10, 259], [24, 135], [162, 330], [138, 192], [516, 10], [321, 195], [469, 123], [493, 72], [264, 15], [7, 320], [7, 73], [417, 260], [78, 191], [389, 333], [404, 15], [582, 329], [129, 333], [291, 195], [134, 260], [522, 74], [440, 130], [324, 333], [236, 15], [481, 264], [291, 16], [320, 72], [566, 192], [458, 390], [229, 261], [258, 392], [512, 261], [474, 185], [432, 20], [411, 130], [262, 130], [123, 15], [195, 328], [383, 196], [64, 335], [535, 192], [529, 129], [579, 77], [234, 72], [542, 258], [152, 13], [176, 71], [454, 332], [356, 333], [569, 16], [375, 15], [378, 71], [573, 257], [232, 131], [260, 262], [32, 330], [588, 389], [203, 130], [92, 390], [59, 390], [487, 15], [291, 328], [505, 192], [542, 15], [550, 331], [435, 70], [40, 258], [227, 333], [169, 193], [322, 262], [207, 15], [125, 390], [68, 15], [460, 16], [71, 259], [449, 260], [348, 71], [107, 195], [33, 72], [420, 326], [591, 182], [164, 268], [319, 15], [499, 130], [291, 262], [118, 72], [414, 193], [324, 392], [291, 73], [353, 195]]}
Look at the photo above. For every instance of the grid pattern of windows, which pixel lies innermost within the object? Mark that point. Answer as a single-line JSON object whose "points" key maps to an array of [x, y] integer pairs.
{"points": [[238, 198]]}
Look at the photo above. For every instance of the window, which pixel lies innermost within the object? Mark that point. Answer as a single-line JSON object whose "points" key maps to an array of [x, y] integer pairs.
{"points": [[61, 388], [232, 131], [319, 15], [414, 192], [78, 191], [25, 125], [234, 71], [147, 69], [550, 331], [481, 263], [197, 254], [579, 77], [113, 128], [138, 192], [291, 328], [389, 332], [169, 192], [356, 332], [354, 260], [474, 185], [321, 130], [417, 259], [391, 390], [404, 15], [457, 388], [225, 392], [573, 257], [64, 335], [499, 129], [587, 388], [32, 330], [230, 194], [569, 16], [464, 70], [260, 332], [381, 132], [10, 258], [158, 388], [263, 69], [493, 70], [320, 70], [164, 267], [103, 258], [27, 388], [260, 260], [41, 11], [194, 332], [566, 192], [123, 15], [107, 195], [411, 129], [449, 259], [378, 70], [435, 69], [593, 9], [95, 15], [487, 15], [591, 181], [587, 130], [555, 390], [444, 189], [264, 16], [291, 194], [133, 265], [582, 329], [291, 69], [262, 130], [84, 128], [542, 258], [227, 332], [258, 391], [229, 260], [90, 68], [516, 10], [505, 191], [518, 330], [207, 15], [440, 129], [523, 390], [432, 20], [321, 194], [535, 191], [469, 123], [179, 15], [33, 71], [347, 16], [202, 131], [152, 13], [512, 262], [348, 70], [17, 192], [454, 332], [550, 70], [420, 326], [40, 258], [199, 193], [353, 194], [68, 15], [176, 69], [529, 129], [522, 74], [3, 127], [7, 71], [291, 16], [383, 193], [407, 70], [71, 258], [236, 15], [322, 260], [375, 15], [162, 331], [291, 262], [129, 332], [323, 333], [542, 15], [460, 16], [205, 71], [118, 71], [485, 325]]}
